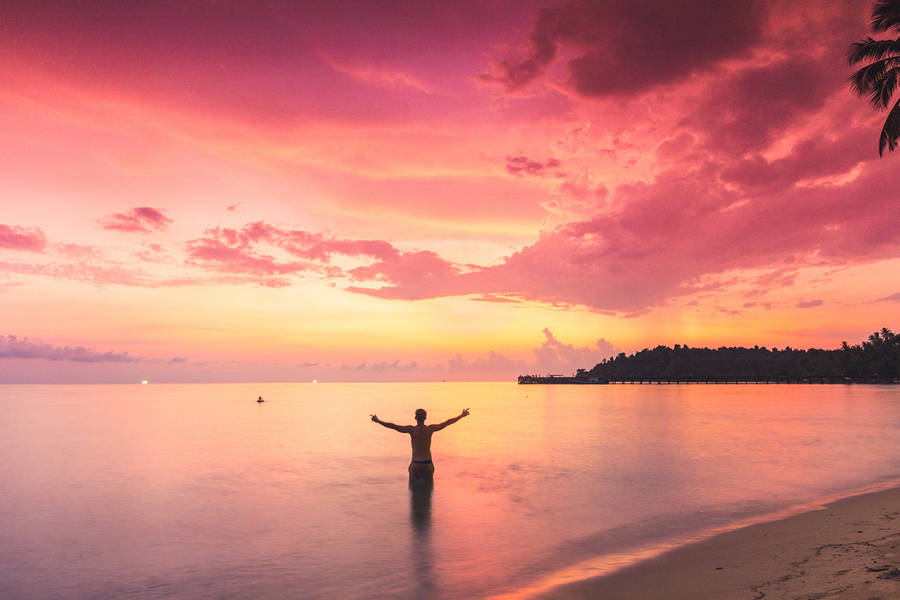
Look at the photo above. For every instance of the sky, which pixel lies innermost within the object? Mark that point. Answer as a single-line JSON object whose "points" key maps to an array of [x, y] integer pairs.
{"points": [[221, 190]]}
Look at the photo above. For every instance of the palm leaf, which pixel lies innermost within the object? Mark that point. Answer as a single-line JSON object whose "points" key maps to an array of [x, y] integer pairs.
{"points": [[890, 133], [885, 15], [864, 79], [887, 85], [878, 81], [872, 49]]}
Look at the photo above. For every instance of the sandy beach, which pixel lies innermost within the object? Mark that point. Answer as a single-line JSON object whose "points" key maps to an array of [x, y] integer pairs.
{"points": [[848, 550]]}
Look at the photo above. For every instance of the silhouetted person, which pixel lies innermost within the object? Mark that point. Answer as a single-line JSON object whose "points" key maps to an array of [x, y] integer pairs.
{"points": [[260, 399], [421, 466]]}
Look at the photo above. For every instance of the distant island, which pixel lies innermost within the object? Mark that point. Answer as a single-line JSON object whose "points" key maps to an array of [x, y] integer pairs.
{"points": [[876, 360]]}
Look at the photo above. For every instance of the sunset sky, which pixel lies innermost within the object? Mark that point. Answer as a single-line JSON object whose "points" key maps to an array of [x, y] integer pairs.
{"points": [[218, 190]]}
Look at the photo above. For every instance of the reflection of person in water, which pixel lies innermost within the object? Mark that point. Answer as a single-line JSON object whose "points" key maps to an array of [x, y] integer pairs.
{"points": [[421, 466], [425, 579]]}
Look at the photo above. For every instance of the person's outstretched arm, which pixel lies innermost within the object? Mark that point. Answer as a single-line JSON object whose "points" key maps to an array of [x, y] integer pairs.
{"points": [[400, 428], [439, 426]]}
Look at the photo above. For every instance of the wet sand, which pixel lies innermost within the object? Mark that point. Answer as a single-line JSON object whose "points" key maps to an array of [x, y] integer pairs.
{"points": [[850, 550]]}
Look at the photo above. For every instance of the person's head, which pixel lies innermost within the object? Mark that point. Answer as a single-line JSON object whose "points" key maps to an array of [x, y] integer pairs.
{"points": [[420, 415]]}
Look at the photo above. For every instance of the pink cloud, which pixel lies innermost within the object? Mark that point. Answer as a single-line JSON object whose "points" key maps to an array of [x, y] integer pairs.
{"points": [[494, 363], [419, 275], [99, 272], [675, 235], [236, 250], [667, 236], [379, 75], [141, 219], [152, 253], [217, 255], [783, 277], [87, 271], [14, 237], [77, 250], [555, 356], [551, 356], [762, 165]]}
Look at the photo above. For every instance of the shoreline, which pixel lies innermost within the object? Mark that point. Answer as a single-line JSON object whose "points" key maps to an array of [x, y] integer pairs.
{"points": [[845, 547]]}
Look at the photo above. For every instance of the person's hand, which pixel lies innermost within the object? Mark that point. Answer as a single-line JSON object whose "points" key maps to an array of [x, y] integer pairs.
{"points": [[465, 412], [374, 418]]}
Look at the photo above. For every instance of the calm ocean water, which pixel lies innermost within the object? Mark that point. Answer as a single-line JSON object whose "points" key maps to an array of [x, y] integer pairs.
{"points": [[197, 491]]}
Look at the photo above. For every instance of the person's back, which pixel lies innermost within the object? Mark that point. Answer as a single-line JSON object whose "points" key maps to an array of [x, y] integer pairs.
{"points": [[420, 439], [420, 434]]}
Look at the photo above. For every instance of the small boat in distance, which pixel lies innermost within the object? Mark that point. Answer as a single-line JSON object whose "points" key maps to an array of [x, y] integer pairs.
{"points": [[260, 399]]}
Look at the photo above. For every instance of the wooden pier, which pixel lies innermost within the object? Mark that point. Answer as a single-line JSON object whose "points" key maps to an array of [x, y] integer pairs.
{"points": [[809, 379]]}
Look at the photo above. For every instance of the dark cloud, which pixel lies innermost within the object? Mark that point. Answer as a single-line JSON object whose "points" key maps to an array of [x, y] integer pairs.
{"points": [[15, 237], [622, 46], [13, 347], [745, 110], [522, 165], [141, 219], [815, 157], [891, 298], [765, 305], [500, 299], [383, 366], [809, 304]]}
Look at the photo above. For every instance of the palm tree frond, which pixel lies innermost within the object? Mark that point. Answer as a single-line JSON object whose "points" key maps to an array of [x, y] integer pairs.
{"points": [[871, 49], [887, 85], [886, 15], [864, 79], [890, 133], [878, 81]]}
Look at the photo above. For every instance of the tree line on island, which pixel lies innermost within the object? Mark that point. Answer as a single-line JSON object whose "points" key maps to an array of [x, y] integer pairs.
{"points": [[876, 359]]}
